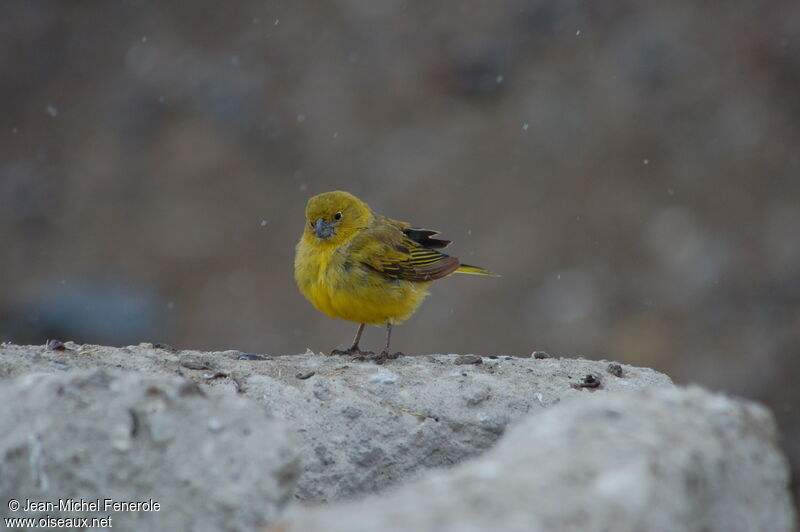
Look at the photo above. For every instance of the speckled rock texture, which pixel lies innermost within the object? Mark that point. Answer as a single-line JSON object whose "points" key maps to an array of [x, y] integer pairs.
{"points": [[364, 427], [129, 437], [660, 461], [237, 441]]}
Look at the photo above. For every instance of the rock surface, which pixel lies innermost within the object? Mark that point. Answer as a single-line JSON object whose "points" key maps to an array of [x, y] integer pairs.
{"points": [[225, 440], [672, 459], [362, 427], [142, 438]]}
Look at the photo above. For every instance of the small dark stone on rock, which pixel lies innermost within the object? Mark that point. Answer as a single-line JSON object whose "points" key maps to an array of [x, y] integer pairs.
{"points": [[541, 355], [55, 345], [303, 375], [494, 357], [250, 356], [194, 362], [469, 359], [165, 347], [590, 381], [615, 369]]}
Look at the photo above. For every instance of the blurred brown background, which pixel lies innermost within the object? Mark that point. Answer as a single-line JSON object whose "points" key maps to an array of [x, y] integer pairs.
{"points": [[630, 168]]}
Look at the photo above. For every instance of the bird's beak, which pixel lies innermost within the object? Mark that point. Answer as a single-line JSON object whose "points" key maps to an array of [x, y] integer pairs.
{"points": [[323, 229]]}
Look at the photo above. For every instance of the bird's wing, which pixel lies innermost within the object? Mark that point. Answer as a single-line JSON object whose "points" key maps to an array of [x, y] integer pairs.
{"points": [[389, 250], [419, 235]]}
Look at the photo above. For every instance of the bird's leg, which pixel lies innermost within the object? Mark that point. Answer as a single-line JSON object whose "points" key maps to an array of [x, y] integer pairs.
{"points": [[354, 349], [357, 338], [385, 355], [388, 337]]}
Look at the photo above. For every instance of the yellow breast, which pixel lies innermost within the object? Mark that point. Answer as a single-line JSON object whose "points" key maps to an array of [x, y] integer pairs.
{"points": [[353, 293]]}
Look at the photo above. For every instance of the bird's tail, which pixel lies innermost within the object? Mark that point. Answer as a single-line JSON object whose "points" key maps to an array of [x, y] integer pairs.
{"points": [[474, 270]]}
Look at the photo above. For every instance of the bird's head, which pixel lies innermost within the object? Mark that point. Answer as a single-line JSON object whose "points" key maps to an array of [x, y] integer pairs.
{"points": [[335, 217]]}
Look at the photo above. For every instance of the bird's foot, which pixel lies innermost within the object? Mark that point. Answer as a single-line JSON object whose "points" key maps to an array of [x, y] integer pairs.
{"points": [[351, 352], [378, 358]]}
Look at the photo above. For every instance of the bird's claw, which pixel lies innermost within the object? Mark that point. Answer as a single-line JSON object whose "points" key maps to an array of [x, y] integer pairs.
{"points": [[351, 352], [378, 358]]}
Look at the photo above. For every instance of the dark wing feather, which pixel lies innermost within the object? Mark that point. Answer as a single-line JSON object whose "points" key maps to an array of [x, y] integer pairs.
{"points": [[423, 238], [417, 234]]}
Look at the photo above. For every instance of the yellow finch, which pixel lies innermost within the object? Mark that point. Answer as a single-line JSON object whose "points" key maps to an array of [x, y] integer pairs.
{"points": [[360, 266]]}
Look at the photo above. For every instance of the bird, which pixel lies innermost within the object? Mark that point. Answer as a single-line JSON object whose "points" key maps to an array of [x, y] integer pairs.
{"points": [[356, 265]]}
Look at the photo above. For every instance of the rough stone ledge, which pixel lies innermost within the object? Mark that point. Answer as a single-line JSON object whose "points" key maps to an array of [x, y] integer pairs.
{"points": [[663, 460], [362, 427], [98, 434], [224, 440]]}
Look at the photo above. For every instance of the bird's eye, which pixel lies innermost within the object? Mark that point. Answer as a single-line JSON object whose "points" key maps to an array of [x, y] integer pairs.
{"points": [[337, 216]]}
